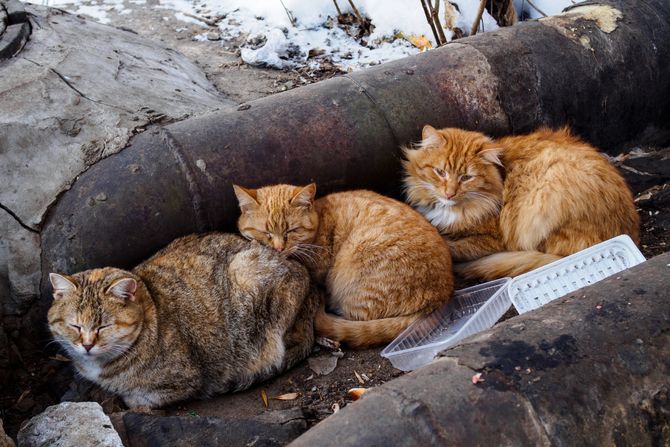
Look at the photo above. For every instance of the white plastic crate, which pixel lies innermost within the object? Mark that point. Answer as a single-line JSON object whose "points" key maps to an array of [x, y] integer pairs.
{"points": [[470, 311], [540, 286]]}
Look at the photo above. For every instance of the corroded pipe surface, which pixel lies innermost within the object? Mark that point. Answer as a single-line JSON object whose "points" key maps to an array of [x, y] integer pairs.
{"points": [[602, 69]]}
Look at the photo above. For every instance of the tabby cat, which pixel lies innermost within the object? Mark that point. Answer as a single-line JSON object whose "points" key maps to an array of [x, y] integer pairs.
{"points": [[381, 263], [207, 314], [514, 204]]}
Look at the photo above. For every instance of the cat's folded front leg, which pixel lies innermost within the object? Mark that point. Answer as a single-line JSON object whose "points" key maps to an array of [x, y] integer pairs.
{"points": [[473, 247]]}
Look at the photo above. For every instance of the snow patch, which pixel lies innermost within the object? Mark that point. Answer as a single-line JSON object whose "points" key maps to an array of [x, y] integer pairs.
{"points": [[298, 33]]}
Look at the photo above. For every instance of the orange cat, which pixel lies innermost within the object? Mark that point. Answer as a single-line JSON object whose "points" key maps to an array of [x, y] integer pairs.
{"points": [[381, 262], [514, 204]]}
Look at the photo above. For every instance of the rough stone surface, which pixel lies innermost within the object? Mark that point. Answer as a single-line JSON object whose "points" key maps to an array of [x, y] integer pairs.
{"points": [[5, 441], [647, 169], [272, 429], [19, 273], [588, 369], [70, 425], [75, 94]]}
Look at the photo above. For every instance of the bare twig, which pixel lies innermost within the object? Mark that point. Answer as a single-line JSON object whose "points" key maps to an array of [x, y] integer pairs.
{"points": [[356, 12], [436, 20], [202, 19], [480, 12], [530, 2], [337, 7], [432, 16], [291, 18], [430, 21]]}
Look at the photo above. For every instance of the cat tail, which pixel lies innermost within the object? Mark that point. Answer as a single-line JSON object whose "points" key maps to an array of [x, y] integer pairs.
{"points": [[506, 263], [361, 334]]}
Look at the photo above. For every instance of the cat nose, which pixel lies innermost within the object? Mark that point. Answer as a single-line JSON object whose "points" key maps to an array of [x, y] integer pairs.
{"points": [[450, 194], [88, 347]]}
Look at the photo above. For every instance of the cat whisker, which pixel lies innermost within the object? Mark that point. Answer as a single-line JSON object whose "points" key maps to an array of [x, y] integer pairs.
{"points": [[303, 255], [305, 252]]}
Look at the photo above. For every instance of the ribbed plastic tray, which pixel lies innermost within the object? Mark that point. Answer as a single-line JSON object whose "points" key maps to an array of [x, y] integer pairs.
{"points": [[470, 311], [540, 286]]}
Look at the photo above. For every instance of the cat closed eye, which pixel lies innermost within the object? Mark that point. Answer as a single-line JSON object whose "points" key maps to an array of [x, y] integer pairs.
{"points": [[74, 326], [440, 172], [103, 327]]}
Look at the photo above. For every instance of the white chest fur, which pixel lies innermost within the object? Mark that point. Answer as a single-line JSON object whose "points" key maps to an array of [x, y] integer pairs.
{"points": [[90, 369], [440, 215]]}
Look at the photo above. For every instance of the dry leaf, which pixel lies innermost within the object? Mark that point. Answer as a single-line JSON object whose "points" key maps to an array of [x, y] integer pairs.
{"points": [[264, 396], [359, 378], [356, 393], [287, 396], [60, 358], [477, 378], [322, 365], [421, 42]]}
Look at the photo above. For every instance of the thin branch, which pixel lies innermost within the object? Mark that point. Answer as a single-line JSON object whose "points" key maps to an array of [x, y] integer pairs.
{"points": [[480, 12], [430, 21], [337, 7], [291, 18], [208, 22], [436, 21], [530, 2], [356, 13]]}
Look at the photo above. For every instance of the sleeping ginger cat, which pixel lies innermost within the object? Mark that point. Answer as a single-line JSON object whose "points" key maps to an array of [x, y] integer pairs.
{"points": [[514, 204], [382, 264]]}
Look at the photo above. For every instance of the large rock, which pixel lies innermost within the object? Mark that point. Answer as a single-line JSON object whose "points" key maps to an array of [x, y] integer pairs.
{"points": [[271, 429], [76, 93], [70, 425]]}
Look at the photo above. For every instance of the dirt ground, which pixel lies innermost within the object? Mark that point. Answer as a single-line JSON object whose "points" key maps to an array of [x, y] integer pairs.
{"points": [[44, 377]]}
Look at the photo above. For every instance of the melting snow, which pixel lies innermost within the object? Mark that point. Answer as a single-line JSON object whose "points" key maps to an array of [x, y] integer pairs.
{"points": [[296, 33]]}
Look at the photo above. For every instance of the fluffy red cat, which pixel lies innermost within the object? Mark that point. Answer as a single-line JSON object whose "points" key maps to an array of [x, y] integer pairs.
{"points": [[511, 205]]}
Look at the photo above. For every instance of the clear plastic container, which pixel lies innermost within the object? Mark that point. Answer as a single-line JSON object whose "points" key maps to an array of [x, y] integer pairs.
{"points": [[478, 308], [540, 286], [470, 311]]}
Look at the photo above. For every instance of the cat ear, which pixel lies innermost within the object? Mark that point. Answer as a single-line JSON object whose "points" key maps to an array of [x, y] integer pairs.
{"points": [[431, 136], [246, 198], [61, 284], [123, 288], [492, 155], [304, 197]]}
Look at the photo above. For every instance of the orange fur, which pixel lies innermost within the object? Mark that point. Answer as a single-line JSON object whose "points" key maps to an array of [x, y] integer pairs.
{"points": [[377, 258], [536, 197]]}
